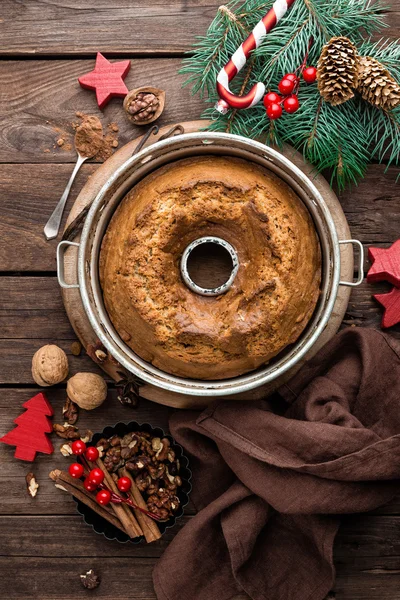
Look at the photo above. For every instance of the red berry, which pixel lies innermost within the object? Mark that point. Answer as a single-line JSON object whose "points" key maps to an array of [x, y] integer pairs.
{"points": [[103, 497], [89, 485], [286, 86], [96, 476], [310, 74], [124, 484], [274, 111], [291, 77], [92, 453], [78, 447], [271, 98], [76, 470], [291, 104]]}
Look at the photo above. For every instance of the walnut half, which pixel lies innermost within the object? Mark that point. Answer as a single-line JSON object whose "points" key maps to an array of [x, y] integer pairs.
{"points": [[31, 484]]}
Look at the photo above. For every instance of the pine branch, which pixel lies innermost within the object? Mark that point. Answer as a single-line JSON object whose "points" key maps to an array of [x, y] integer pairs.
{"points": [[343, 139]]}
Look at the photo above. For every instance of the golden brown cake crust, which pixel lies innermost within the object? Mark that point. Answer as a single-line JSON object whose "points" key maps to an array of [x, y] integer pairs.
{"points": [[274, 293]]}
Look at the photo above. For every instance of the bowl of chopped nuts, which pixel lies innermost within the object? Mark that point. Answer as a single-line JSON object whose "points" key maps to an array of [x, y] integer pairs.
{"points": [[156, 473]]}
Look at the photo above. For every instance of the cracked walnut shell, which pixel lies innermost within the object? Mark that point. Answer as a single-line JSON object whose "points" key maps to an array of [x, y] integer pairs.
{"points": [[87, 390], [49, 365], [144, 105]]}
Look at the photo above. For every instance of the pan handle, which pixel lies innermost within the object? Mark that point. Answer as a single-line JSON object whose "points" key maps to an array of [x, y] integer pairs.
{"points": [[360, 263], [60, 264]]}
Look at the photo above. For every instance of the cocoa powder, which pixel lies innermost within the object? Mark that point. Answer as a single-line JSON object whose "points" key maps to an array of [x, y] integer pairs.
{"points": [[89, 136], [91, 141]]}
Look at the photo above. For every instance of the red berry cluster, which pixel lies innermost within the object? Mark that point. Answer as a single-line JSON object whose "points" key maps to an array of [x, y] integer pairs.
{"points": [[95, 477], [288, 87]]}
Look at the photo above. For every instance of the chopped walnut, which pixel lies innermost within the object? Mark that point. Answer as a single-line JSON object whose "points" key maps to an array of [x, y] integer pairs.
{"points": [[152, 463], [66, 450], [70, 411], [31, 484], [87, 436], [66, 431], [90, 580], [142, 481]]}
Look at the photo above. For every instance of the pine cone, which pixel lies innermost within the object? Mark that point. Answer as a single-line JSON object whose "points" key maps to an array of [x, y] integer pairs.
{"points": [[337, 71], [376, 85]]}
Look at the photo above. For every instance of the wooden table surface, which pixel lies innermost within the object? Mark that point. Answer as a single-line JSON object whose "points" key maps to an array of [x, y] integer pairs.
{"points": [[45, 46]]}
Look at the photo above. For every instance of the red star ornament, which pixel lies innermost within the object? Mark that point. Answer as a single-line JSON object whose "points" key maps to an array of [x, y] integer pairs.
{"points": [[391, 304], [386, 264], [106, 79]]}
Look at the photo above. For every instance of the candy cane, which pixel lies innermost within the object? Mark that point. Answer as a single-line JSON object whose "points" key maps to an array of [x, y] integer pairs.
{"points": [[239, 58]]}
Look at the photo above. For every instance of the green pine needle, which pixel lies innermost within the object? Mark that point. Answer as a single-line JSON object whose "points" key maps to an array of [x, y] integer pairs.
{"points": [[344, 139]]}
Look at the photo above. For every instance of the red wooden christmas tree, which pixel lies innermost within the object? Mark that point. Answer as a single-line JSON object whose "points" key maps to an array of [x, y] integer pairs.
{"points": [[30, 435]]}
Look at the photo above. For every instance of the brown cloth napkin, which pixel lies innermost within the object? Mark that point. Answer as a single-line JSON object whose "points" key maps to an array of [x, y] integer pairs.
{"points": [[269, 485]]}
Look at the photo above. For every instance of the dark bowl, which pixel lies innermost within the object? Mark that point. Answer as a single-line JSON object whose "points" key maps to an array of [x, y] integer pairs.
{"points": [[105, 528]]}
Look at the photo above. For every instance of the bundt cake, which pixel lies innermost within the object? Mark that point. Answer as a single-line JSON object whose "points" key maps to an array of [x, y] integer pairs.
{"points": [[272, 297]]}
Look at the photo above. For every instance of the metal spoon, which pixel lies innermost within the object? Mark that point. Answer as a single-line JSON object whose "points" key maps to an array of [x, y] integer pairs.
{"points": [[53, 224]]}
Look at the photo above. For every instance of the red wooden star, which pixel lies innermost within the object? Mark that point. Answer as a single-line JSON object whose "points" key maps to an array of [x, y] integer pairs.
{"points": [[106, 79], [386, 264], [391, 303]]}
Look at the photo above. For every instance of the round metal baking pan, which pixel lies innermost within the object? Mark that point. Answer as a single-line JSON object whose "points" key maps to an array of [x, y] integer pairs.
{"points": [[168, 151]]}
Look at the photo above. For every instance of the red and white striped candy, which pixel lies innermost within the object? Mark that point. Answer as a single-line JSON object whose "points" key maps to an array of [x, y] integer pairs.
{"points": [[239, 58]]}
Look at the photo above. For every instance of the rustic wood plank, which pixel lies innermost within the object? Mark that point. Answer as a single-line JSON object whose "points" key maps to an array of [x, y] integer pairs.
{"points": [[16, 359], [39, 100], [359, 536], [30, 193], [124, 27], [372, 208], [56, 579], [36, 303]]}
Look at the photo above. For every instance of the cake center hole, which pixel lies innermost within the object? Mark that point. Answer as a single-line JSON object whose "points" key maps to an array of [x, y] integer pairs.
{"points": [[209, 265]]}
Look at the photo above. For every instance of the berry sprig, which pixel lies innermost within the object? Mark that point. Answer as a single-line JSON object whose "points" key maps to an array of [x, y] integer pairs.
{"points": [[288, 88], [94, 479]]}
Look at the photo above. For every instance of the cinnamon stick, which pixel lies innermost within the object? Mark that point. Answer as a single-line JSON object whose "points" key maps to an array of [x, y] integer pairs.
{"points": [[76, 488], [123, 512], [150, 528]]}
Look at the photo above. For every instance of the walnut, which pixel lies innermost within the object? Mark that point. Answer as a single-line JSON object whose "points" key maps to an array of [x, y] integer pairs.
{"points": [[144, 105], [87, 390], [156, 471], [161, 513], [66, 431], [142, 481], [175, 503], [112, 460], [153, 488], [129, 451], [130, 439], [49, 365], [70, 412], [161, 448], [66, 450], [87, 436], [105, 444], [31, 484], [90, 580]]}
